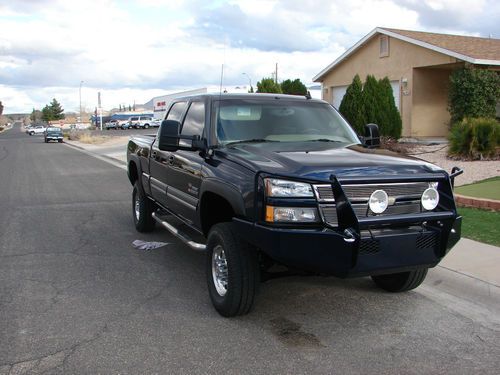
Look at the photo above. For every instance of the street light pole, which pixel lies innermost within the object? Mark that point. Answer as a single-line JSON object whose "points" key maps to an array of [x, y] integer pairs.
{"points": [[249, 80], [80, 91]]}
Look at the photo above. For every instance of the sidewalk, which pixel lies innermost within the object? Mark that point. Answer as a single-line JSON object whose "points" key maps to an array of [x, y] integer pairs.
{"points": [[468, 257]]}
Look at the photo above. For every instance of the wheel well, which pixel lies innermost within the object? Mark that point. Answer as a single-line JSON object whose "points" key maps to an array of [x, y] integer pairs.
{"points": [[133, 174], [214, 209]]}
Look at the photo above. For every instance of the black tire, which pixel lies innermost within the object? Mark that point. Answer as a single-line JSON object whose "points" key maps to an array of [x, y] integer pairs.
{"points": [[60, 140], [243, 273], [400, 282], [143, 220], [146, 126], [31, 133], [46, 141]]}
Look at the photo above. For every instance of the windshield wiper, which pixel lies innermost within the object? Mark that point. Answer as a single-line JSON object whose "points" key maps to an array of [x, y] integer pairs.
{"points": [[255, 140], [323, 140]]}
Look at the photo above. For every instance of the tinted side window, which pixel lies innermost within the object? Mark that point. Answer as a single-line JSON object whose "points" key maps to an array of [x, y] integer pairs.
{"points": [[195, 119], [176, 111]]}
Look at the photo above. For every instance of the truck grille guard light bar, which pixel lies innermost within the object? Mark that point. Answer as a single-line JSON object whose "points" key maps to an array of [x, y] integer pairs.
{"points": [[350, 225]]}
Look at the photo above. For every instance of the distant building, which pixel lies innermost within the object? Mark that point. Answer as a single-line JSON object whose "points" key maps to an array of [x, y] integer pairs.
{"points": [[161, 103]]}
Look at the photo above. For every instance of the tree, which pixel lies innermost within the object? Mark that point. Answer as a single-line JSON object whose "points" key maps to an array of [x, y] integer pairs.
{"points": [[372, 101], [352, 107], [268, 85], [1, 108], [56, 110], [390, 119], [129, 108], [36, 115], [52, 111], [295, 87], [473, 93]]}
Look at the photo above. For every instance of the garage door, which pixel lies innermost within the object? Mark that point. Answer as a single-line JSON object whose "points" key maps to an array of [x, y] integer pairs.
{"points": [[396, 93], [338, 93]]}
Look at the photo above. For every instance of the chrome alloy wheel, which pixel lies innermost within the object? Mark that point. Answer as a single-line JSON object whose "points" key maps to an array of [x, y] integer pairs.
{"points": [[137, 209], [219, 270]]}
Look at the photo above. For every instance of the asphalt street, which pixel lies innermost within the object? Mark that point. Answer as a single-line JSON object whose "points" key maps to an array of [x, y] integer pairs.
{"points": [[77, 298]]}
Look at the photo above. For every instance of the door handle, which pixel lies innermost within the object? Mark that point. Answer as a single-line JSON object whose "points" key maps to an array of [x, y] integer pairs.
{"points": [[171, 159]]}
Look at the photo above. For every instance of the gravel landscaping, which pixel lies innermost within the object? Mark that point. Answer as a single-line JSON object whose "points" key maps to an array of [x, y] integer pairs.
{"points": [[473, 170]]}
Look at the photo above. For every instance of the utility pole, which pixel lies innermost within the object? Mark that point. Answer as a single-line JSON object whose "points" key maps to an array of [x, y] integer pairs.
{"points": [[100, 108], [249, 80], [80, 91]]}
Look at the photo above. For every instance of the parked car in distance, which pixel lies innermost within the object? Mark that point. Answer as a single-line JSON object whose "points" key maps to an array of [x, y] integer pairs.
{"points": [[156, 123], [53, 134], [111, 124], [39, 129], [141, 122], [123, 124]]}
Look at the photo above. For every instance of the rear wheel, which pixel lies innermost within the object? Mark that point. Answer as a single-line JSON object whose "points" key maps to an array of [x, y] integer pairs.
{"points": [[142, 208], [232, 271], [400, 282]]}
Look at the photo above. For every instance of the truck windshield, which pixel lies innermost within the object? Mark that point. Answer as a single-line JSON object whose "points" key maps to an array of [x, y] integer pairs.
{"points": [[279, 120]]}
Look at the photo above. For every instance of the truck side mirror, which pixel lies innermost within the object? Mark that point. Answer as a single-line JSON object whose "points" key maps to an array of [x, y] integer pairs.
{"points": [[169, 135], [371, 138]]}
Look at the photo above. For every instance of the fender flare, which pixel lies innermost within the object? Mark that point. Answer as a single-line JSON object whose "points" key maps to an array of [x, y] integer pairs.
{"points": [[225, 190]]}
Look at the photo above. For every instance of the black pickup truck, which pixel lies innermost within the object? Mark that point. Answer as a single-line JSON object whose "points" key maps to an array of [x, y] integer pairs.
{"points": [[261, 182]]}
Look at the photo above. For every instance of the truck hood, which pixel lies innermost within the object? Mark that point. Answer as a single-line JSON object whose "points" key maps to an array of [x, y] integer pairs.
{"points": [[319, 160]]}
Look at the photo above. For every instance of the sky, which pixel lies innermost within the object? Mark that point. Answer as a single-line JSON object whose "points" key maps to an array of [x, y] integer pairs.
{"points": [[136, 50]]}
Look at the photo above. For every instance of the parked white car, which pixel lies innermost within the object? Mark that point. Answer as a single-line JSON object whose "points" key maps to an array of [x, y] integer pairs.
{"points": [[39, 129], [140, 122]]}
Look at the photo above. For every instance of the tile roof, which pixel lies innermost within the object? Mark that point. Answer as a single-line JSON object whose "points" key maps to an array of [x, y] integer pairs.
{"points": [[474, 47]]}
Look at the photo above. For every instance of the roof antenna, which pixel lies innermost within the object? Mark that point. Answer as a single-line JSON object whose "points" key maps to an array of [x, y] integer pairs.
{"points": [[308, 95], [221, 78]]}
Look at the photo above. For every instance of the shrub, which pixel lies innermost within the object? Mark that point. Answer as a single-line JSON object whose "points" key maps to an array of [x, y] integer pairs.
{"points": [[475, 138], [351, 106], [473, 93], [295, 87], [268, 85], [380, 108]]}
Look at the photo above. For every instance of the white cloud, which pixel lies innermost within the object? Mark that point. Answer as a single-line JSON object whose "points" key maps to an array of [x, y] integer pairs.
{"points": [[139, 49]]}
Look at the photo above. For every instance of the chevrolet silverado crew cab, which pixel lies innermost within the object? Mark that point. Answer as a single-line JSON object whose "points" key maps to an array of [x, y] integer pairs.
{"points": [[262, 181]]}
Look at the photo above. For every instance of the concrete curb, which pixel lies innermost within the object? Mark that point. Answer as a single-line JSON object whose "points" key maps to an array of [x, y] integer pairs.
{"points": [[485, 204]]}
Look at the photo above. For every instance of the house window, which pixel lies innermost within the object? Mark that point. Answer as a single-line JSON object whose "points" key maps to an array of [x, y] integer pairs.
{"points": [[384, 46]]}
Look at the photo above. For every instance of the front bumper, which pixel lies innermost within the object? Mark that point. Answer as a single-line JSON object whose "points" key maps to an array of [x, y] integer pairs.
{"points": [[53, 138], [327, 251]]}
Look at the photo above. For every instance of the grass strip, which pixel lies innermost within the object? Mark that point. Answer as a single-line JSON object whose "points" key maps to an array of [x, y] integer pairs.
{"points": [[489, 189], [480, 225]]}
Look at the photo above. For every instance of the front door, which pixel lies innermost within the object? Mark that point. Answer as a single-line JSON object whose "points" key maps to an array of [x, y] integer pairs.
{"points": [[184, 176], [159, 160]]}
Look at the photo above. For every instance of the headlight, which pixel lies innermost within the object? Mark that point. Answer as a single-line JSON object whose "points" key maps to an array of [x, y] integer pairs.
{"points": [[430, 199], [291, 214], [290, 189], [378, 201]]}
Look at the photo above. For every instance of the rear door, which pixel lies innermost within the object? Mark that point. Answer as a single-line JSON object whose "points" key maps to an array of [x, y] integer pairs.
{"points": [[158, 164], [184, 173]]}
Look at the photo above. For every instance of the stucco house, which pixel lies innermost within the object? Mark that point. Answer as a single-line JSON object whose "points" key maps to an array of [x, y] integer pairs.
{"points": [[418, 64]]}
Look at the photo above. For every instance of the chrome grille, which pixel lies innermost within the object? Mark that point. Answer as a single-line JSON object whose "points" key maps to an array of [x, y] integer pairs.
{"points": [[329, 212], [360, 192]]}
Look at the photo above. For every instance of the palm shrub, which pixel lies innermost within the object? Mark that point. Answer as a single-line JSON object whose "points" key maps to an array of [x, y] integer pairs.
{"points": [[475, 138]]}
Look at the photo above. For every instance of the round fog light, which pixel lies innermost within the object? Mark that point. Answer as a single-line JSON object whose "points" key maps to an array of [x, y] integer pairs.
{"points": [[378, 201], [430, 199]]}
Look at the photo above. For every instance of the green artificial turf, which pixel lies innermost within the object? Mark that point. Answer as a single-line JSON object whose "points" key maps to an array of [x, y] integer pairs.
{"points": [[481, 225], [489, 189]]}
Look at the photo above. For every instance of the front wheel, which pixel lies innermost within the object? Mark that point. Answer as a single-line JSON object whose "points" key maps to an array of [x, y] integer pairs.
{"points": [[146, 126], [142, 208], [232, 271], [400, 282]]}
